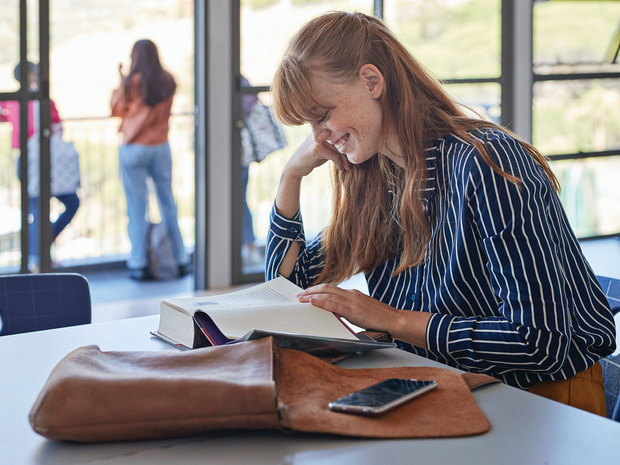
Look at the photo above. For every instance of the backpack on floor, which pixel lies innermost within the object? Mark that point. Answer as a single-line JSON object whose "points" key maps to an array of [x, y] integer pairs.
{"points": [[162, 262]]}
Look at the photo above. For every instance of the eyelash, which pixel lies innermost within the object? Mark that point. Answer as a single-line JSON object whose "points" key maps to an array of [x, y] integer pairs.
{"points": [[323, 118]]}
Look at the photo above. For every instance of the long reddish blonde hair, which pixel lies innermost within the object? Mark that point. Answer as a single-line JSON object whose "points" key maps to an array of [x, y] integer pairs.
{"points": [[377, 209]]}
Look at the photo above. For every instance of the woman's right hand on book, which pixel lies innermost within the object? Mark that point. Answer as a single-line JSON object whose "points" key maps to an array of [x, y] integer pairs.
{"points": [[367, 312]]}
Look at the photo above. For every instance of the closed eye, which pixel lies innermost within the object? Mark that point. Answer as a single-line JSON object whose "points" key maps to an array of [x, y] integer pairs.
{"points": [[324, 118]]}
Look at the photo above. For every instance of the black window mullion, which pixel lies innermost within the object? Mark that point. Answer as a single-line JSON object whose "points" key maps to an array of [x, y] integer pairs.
{"points": [[22, 97], [45, 227]]}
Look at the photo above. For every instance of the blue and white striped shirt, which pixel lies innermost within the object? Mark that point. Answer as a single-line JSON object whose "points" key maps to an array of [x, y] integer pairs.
{"points": [[510, 291]]}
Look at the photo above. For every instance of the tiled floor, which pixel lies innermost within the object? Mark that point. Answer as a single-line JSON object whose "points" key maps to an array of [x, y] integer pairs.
{"points": [[115, 296]]}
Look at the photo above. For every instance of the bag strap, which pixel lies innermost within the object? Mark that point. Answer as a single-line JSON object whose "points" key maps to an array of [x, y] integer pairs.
{"points": [[251, 131]]}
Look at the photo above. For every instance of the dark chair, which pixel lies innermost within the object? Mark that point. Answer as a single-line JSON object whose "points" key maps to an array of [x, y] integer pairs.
{"points": [[32, 302], [611, 364]]}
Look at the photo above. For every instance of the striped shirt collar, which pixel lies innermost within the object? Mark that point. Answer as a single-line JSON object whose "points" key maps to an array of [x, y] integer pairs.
{"points": [[431, 169]]}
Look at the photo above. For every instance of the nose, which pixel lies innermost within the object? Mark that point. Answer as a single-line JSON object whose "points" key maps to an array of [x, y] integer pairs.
{"points": [[320, 133]]}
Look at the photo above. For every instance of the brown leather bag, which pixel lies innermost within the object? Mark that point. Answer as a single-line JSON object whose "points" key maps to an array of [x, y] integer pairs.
{"points": [[94, 396]]}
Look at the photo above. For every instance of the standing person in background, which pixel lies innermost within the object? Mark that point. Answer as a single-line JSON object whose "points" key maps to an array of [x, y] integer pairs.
{"points": [[10, 112], [143, 101]]}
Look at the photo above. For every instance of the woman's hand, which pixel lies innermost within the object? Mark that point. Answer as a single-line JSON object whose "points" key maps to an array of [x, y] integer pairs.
{"points": [[310, 155], [369, 313], [355, 306]]}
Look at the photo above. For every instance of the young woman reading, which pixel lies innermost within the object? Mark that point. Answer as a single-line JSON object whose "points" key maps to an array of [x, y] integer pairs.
{"points": [[454, 221]]}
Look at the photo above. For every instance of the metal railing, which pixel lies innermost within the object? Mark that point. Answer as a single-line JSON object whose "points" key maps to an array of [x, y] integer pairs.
{"points": [[98, 232]]}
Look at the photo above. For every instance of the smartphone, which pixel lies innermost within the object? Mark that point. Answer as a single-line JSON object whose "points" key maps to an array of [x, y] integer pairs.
{"points": [[382, 397]]}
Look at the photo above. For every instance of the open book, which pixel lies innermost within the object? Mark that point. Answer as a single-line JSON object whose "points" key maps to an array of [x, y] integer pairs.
{"points": [[268, 309]]}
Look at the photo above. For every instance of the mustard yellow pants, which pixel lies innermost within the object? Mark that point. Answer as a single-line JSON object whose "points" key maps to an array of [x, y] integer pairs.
{"points": [[584, 391]]}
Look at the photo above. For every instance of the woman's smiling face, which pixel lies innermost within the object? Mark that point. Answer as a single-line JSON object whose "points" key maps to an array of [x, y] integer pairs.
{"points": [[352, 120]]}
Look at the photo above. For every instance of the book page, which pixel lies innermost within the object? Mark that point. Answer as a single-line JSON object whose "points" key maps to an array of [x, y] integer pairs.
{"points": [[295, 318], [270, 306], [279, 291]]}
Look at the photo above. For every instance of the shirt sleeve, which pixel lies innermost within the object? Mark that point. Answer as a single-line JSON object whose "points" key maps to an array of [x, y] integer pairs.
{"points": [[121, 103], [535, 269], [282, 233], [118, 104]]}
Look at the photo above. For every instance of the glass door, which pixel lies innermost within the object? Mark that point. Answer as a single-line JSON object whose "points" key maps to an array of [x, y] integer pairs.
{"points": [[24, 82], [265, 29]]}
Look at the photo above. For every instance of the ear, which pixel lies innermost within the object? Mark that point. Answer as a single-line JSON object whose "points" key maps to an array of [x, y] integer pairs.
{"points": [[372, 79]]}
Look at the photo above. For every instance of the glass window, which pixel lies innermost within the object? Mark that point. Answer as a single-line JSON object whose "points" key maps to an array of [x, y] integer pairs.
{"points": [[9, 37], [483, 99], [576, 116], [268, 25], [581, 114], [84, 69], [10, 199], [264, 179], [9, 52], [453, 39], [84, 60], [87, 43], [589, 194], [10, 203], [266, 29], [572, 32], [262, 184]]}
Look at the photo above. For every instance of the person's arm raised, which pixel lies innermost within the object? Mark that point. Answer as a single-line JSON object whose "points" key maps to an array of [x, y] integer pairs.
{"points": [[308, 156]]}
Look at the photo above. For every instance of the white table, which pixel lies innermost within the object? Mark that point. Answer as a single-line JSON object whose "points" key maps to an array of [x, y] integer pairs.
{"points": [[525, 429]]}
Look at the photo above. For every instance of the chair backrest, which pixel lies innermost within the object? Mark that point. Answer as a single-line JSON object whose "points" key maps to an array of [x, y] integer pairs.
{"points": [[32, 302], [611, 364], [611, 288]]}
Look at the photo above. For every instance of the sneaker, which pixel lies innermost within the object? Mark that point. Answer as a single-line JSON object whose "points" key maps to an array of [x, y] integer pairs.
{"points": [[184, 270], [141, 274]]}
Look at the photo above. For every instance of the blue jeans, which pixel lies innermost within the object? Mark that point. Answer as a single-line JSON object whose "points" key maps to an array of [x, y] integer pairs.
{"points": [[137, 163], [247, 235], [71, 203]]}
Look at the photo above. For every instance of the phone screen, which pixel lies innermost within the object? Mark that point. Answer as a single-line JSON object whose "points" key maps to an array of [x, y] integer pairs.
{"points": [[382, 397]]}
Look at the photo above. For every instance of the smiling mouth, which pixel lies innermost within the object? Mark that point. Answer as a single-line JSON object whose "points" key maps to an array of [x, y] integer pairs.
{"points": [[339, 144]]}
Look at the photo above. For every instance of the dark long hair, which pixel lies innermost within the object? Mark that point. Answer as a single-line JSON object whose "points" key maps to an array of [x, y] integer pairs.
{"points": [[157, 84]]}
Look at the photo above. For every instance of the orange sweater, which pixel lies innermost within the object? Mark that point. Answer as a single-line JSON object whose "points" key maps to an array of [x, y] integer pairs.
{"points": [[140, 124]]}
